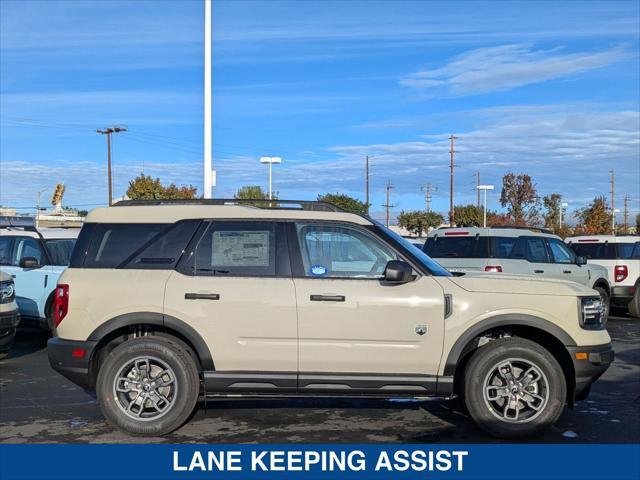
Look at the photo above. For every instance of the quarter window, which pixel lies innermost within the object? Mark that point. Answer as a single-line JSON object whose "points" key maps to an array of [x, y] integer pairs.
{"points": [[342, 252], [236, 249], [112, 244]]}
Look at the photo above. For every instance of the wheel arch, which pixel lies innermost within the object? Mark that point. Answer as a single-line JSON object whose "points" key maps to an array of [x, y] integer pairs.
{"points": [[602, 282], [156, 323], [543, 332]]}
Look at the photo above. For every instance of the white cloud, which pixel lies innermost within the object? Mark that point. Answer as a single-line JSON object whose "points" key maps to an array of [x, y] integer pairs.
{"points": [[505, 67]]}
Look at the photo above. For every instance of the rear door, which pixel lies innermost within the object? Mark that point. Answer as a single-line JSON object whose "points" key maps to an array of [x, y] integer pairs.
{"points": [[529, 256], [358, 334], [234, 288]]}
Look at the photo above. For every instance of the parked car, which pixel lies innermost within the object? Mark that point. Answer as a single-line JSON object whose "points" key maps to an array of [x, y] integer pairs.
{"points": [[35, 258], [165, 301], [9, 316], [515, 250], [620, 255]]}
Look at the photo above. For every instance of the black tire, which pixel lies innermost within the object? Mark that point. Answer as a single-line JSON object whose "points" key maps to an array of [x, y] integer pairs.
{"points": [[485, 360], [634, 304], [3, 355], [186, 381], [604, 295]]}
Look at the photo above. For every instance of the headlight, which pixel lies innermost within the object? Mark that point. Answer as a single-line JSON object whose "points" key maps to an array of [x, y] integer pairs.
{"points": [[7, 292], [592, 313]]}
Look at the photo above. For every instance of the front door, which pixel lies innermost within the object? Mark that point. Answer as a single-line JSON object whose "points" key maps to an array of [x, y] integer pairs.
{"points": [[564, 263], [358, 334]]}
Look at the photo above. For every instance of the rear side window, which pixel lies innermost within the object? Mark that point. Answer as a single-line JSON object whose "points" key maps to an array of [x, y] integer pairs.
{"points": [[111, 244], [595, 251], [457, 247], [629, 251], [240, 248]]}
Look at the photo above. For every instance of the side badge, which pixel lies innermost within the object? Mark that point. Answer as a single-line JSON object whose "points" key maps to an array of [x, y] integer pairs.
{"points": [[421, 329]]}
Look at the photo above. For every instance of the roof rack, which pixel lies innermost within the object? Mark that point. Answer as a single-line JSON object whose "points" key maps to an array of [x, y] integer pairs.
{"points": [[27, 223], [277, 204]]}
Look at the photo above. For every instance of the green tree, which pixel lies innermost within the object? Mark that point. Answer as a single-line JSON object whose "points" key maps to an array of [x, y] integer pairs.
{"points": [[345, 202], [520, 197], [595, 218], [552, 211], [472, 216], [253, 192], [419, 221], [638, 224], [143, 187]]}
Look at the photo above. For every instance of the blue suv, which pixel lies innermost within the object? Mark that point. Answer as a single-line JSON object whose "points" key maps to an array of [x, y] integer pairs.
{"points": [[35, 258]]}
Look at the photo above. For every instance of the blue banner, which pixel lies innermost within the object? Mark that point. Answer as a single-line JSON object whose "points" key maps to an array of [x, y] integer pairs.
{"points": [[495, 462]]}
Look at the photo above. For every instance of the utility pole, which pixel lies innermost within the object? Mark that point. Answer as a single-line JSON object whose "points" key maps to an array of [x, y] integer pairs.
{"points": [[388, 205], [452, 220], [477, 189], [613, 204], [626, 212], [427, 188], [38, 210], [209, 180], [108, 131], [366, 184]]}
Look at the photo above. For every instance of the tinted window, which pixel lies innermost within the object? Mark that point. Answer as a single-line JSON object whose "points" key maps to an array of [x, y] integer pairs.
{"points": [[112, 244], [629, 250], [503, 247], [28, 247], [5, 250], [535, 250], [595, 251], [164, 250], [236, 248], [561, 253], [341, 251], [457, 247], [60, 250]]}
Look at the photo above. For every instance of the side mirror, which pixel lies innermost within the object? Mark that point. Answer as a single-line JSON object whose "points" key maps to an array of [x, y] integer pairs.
{"points": [[397, 271], [581, 260], [29, 262]]}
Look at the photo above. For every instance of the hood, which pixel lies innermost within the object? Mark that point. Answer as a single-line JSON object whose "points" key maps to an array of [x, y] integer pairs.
{"points": [[4, 277], [505, 283]]}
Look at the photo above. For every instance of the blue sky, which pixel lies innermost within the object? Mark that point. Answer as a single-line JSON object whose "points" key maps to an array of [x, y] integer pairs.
{"points": [[546, 88]]}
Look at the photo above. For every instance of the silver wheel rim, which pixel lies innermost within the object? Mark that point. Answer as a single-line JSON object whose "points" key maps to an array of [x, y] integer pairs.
{"points": [[145, 388], [516, 390]]}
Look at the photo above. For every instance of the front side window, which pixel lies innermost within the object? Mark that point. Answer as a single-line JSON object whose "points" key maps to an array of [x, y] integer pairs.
{"points": [[60, 250], [340, 251], [561, 253], [236, 249], [28, 247]]}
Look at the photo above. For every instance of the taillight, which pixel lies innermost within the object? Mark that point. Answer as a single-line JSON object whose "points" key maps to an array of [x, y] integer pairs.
{"points": [[620, 272], [60, 303], [493, 268]]}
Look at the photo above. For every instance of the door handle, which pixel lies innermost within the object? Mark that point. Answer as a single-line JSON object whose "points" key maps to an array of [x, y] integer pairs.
{"points": [[538, 271], [567, 271], [202, 296], [327, 298]]}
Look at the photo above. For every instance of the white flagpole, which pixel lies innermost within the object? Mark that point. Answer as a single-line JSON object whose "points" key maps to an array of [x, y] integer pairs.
{"points": [[208, 167]]}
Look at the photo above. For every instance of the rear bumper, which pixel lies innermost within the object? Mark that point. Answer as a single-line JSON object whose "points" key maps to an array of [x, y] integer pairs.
{"points": [[587, 371], [8, 323], [65, 359], [622, 295]]}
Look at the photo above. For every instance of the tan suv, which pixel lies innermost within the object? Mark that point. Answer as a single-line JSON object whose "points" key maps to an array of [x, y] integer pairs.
{"points": [[164, 303]]}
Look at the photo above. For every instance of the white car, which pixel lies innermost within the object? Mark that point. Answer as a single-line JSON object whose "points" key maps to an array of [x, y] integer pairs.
{"points": [[620, 255]]}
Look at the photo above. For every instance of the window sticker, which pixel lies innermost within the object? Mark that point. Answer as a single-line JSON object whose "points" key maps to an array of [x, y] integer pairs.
{"points": [[241, 248], [318, 270]]}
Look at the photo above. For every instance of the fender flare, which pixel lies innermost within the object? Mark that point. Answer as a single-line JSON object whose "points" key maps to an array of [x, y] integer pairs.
{"points": [[505, 320], [154, 318]]}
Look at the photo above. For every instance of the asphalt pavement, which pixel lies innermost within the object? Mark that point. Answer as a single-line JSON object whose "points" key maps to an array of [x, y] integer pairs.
{"points": [[39, 406]]}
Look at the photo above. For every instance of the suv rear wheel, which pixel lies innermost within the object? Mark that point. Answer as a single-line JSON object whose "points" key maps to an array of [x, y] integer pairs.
{"points": [[514, 388], [148, 386], [634, 304]]}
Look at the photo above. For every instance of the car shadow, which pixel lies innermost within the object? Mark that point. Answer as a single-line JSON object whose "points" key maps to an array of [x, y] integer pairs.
{"points": [[27, 341]]}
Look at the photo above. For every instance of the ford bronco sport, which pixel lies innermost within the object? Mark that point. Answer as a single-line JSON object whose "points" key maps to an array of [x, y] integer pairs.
{"points": [[167, 302], [9, 316]]}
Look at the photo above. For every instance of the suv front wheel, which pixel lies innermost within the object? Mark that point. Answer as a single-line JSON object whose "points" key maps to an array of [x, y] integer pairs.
{"points": [[148, 386], [514, 388]]}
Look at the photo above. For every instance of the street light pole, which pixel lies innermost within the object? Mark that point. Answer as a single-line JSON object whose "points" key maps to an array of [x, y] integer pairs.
{"points": [[485, 188], [270, 161], [563, 205], [108, 132], [208, 162]]}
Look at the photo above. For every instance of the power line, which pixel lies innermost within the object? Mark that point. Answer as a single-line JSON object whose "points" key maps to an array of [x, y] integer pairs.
{"points": [[428, 188], [388, 205], [612, 181]]}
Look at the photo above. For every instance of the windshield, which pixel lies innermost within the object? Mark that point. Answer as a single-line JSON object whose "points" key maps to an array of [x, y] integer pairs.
{"points": [[434, 267]]}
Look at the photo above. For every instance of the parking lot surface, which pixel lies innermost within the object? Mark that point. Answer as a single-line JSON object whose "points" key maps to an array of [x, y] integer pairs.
{"points": [[39, 406]]}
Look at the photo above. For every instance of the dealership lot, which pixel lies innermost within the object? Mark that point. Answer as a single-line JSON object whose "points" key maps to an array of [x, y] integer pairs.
{"points": [[38, 405]]}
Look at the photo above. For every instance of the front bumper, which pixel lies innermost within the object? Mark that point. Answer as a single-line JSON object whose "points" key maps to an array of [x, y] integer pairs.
{"points": [[588, 370], [8, 323], [65, 358]]}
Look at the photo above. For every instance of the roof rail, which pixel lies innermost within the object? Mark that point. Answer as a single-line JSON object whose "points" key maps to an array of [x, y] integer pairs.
{"points": [[278, 204], [533, 229], [28, 223]]}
